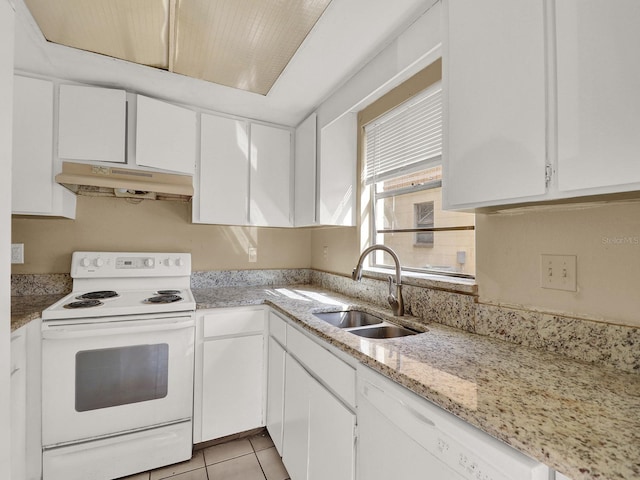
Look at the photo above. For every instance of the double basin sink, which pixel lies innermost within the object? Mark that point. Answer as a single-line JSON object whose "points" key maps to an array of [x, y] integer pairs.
{"points": [[364, 324]]}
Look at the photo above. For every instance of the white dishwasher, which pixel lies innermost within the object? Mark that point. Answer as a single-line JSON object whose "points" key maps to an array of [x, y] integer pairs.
{"points": [[404, 437]]}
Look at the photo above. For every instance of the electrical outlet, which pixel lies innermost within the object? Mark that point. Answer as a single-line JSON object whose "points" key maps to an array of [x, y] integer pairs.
{"points": [[253, 254], [17, 253], [325, 253], [558, 272]]}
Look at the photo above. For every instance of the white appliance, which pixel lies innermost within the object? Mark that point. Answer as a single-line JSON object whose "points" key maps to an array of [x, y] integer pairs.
{"points": [[117, 376], [423, 441]]}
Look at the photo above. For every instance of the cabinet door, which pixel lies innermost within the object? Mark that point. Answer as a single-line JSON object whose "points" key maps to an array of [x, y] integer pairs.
{"points": [[295, 449], [18, 404], [331, 436], [222, 190], [270, 176], [494, 148], [275, 392], [92, 124], [305, 173], [338, 160], [32, 174], [598, 95], [232, 387], [165, 136]]}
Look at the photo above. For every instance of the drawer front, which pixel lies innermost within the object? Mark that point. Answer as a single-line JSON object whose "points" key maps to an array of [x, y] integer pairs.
{"points": [[278, 328], [332, 371], [232, 322]]}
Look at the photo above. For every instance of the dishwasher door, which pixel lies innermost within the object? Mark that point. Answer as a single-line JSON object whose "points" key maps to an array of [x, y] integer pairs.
{"points": [[405, 437]]}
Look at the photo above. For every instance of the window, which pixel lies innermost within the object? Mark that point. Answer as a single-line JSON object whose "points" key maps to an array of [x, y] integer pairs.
{"points": [[402, 170], [424, 219]]}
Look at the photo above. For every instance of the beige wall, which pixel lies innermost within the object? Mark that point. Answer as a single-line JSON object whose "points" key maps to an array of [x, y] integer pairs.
{"points": [[605, 238], [342, 249], [106, 224]]}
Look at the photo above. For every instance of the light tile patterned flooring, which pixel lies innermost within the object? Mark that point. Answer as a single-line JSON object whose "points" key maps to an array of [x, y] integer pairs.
{"points": [[253, 458]]}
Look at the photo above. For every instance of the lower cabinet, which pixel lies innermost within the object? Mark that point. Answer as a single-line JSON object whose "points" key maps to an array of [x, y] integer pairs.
{"points": [[229, 373], [26, 438], [318, 415]]}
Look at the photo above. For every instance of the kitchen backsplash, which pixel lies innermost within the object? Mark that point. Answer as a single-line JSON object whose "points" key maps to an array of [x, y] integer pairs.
{"points": [[590, 341]]}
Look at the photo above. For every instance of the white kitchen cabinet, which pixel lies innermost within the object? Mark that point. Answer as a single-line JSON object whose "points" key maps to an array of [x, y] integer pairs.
{"points": [[26, 440], [305, 173], [270, 176], [165, 136], [275, 379], [331, 436], [34, 191], [319, 418], [92, 124], [598, 95], [295, 448], [495, 100], [18, 404], [229, 379], [337, 172], [222, 185]]}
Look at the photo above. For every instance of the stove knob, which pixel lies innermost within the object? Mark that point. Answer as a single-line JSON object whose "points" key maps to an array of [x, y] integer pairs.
{"points": [[167, 262], [98, 262], [149, 262], [179, 262], [85, 262]]}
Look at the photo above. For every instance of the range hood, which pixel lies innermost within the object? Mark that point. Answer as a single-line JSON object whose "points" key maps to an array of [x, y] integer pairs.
{"points": [[101, 181]]}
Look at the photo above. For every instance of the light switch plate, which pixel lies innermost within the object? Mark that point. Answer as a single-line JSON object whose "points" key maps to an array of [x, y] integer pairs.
{"points": [[17, 253], [558, 272]]}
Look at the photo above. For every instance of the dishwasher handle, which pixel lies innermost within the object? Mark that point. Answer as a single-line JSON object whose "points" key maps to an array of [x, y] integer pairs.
{"points": [[383, 401]]}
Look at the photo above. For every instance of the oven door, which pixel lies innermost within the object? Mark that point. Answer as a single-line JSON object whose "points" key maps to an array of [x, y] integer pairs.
{"points": [[103, 378]]}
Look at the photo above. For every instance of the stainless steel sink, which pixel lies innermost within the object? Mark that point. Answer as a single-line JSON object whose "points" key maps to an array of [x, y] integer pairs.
{"points": [[349, 319], [385, 331]]}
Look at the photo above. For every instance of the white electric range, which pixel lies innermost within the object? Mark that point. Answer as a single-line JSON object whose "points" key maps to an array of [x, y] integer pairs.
{"points": [[118, 355]]}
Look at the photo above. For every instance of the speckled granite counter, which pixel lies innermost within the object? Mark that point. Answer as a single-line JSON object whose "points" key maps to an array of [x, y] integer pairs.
{"points": [[29, 307], [581, 419]]}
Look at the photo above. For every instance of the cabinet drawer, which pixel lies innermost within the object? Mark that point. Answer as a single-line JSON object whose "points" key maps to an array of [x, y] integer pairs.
{"points": [[278, 328], [333, 372], [232, 322]]}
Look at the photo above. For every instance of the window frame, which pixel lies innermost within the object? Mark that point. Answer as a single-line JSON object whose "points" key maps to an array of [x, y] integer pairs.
{"points": [[395, 98]]}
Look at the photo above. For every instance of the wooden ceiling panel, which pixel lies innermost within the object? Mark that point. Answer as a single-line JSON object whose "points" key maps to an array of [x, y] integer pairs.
{"points": [[137, 31]]}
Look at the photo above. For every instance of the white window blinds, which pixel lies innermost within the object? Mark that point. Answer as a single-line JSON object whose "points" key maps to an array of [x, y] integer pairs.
{"points": [[407, 139]]}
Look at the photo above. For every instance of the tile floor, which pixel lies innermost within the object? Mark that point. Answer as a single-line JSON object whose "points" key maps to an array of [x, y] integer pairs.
{"points": [[253, 458]]}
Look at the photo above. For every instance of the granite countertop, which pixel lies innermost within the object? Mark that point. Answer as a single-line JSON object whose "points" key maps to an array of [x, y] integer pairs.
{"points": [[25, 308], [581, 419]]}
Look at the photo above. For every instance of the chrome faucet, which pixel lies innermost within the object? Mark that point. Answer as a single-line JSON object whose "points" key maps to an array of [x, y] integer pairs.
{"points": [[394, 299]]}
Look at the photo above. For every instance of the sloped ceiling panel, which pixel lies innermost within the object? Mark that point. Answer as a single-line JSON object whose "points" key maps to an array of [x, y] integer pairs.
{"points": [[133, 30], [244, 44]]}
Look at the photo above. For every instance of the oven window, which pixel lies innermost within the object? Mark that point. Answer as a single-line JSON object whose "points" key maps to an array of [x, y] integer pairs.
{"points": [[118, 376]]}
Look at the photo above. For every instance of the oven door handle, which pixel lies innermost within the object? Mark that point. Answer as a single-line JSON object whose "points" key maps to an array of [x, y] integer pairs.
{"points": [[58, 332]]}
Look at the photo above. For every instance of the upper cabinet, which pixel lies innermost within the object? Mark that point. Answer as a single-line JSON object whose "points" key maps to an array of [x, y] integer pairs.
{"points": [[165, 136], [598, 95], [34, 191], [244, 173], [270, 176], [305, 173], [92, 124], [537, 107], [222, 186], [337, 177], [494, 101]]}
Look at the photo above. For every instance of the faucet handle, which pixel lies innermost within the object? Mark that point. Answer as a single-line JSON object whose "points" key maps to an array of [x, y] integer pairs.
{"points": [[391, 289]]}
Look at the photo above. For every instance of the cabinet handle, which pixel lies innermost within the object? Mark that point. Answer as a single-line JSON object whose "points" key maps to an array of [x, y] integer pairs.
{"points": [[15, 370]]}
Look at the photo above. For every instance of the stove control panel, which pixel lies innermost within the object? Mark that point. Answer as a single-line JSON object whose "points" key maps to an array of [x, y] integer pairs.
{"points": [[124, 264]]}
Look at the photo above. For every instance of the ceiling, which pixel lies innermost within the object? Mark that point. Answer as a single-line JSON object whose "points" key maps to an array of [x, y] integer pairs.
{"points": [[347, 35], [243, 44]]}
